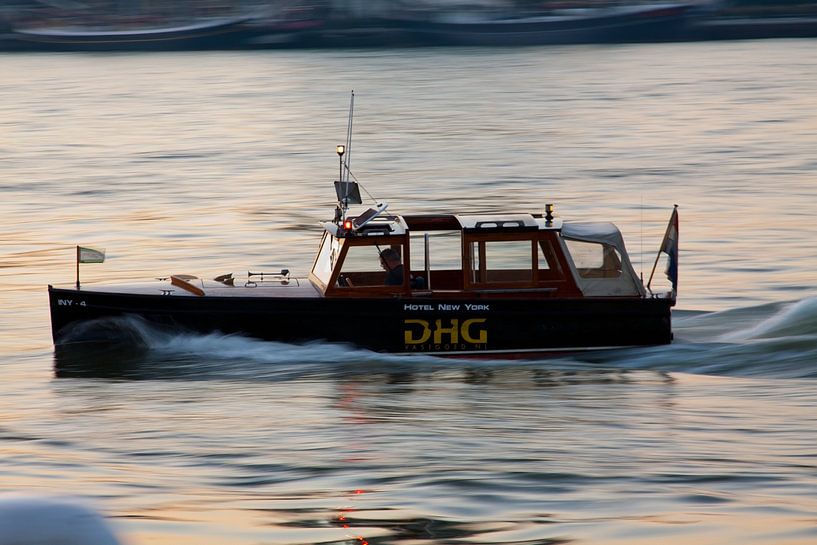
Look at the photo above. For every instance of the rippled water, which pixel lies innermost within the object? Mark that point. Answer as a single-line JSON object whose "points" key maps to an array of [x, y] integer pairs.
{"points": [[222, 162]]}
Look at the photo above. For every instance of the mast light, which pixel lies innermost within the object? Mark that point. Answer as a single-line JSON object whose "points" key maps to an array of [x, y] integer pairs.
{"points": [[340, 149], [549, 213]]}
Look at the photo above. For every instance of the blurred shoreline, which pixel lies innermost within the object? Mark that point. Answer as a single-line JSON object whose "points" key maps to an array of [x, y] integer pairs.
{"points": [[141, 26]]}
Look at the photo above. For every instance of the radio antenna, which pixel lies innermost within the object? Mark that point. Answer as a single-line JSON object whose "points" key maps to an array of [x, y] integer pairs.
{"points": [[641, 250], [349, 137]]}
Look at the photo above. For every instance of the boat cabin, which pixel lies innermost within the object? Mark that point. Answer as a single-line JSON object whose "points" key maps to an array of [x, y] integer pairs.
{"points": [[485, 256]]}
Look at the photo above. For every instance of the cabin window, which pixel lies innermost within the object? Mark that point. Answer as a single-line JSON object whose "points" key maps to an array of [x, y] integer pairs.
{"points": [[595, 260], [542, 262], [445, 263], [501, 261], [548, 263], [361, 267], [445, 248]]}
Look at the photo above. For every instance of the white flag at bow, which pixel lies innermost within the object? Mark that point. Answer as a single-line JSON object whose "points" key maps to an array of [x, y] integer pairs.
{"points": [[89, 255]]}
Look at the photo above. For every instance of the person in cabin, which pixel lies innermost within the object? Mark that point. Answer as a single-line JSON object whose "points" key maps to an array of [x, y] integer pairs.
{"points": [[391, 263]]}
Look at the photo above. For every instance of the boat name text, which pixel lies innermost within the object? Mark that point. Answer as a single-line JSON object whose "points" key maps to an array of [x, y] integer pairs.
{"points": [[447, 307], [69, 302]]}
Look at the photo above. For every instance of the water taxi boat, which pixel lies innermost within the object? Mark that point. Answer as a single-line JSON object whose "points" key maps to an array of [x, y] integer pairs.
{"points": [[443, 284], [517, 283]]}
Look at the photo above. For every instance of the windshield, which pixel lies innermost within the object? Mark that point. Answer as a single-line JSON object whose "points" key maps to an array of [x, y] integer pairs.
{"points": [[327, 256]]}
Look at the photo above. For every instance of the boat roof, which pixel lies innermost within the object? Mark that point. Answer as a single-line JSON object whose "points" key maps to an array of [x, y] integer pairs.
{"points": [[399, 225], [509, 222]]}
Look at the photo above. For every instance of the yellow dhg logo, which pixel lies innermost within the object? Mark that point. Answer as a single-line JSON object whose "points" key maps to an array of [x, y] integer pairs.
{"points": [[445, 334]]}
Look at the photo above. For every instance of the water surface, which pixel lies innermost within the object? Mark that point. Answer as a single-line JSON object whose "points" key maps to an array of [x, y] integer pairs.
{"points": [[207, 163]]}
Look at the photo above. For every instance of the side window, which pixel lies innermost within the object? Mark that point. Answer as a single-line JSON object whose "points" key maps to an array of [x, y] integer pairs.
{"points": [[548, 263], [502, 261], [595, 260], [542, 262], [445, 248], [363, 267]]}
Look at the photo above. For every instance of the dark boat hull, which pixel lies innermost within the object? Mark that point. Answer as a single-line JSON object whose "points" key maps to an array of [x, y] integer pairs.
{"points": [[229, 34], [647, 24], [395, 325]]}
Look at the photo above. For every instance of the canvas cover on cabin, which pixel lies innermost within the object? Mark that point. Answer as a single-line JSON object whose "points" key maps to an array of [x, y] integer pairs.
{"points": [[600, 259]]}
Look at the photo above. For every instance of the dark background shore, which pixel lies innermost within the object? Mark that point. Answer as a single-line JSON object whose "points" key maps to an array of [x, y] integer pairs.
{"points": [[219, 24]]}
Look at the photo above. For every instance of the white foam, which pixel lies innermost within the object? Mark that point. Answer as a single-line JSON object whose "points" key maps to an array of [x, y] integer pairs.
{"points": [[796, 319], [233, 346]]}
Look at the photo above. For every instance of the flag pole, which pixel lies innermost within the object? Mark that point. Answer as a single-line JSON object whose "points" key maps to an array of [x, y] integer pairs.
{"points": [[77, 266], [654, 265]]}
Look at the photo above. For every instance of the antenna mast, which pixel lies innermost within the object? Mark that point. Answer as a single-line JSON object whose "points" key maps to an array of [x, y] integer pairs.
{"points": [[348, 192], [345, 176]]}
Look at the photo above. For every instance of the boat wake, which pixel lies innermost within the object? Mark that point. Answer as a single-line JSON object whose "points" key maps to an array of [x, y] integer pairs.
{"points": [[130, 347], [795, 320], [776, 340]]}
